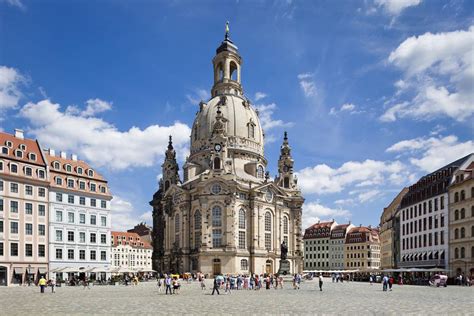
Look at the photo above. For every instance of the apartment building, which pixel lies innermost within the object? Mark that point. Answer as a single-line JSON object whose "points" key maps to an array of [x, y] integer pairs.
{"points": [[129, 250], [362, 249], [336, 246], [316, 241]]}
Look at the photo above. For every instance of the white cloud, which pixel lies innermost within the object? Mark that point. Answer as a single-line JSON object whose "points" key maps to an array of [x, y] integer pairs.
{"points": [[307, 84], [259, 96], [432, 153], [323, 179], [265, 114], [439, 70], [100, 142], [347, 107], [313, 212], [395, 7], [368, 195], [95, 106], [16, 3], [198, 96], [10, 80], [123, 217]]}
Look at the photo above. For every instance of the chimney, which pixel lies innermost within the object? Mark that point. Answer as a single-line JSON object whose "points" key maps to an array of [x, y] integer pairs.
{"points": [[52, 153], [74, 157], [19, 133], [370, 226], [63, 155], [360, 225]]}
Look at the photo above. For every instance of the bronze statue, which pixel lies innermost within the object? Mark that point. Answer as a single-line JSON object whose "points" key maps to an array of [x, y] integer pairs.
{"points": [[284, 251]]}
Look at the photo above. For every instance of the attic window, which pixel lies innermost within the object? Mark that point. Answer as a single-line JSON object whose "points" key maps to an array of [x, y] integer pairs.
{"points": [[9, 144], [5, 150], [56, 165], [68, 168], [19, 153], [22, 146], [90, 173], [79, 170], [32, 156]]}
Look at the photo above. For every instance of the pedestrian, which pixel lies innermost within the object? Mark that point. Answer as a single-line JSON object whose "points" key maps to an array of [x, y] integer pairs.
{"points": [[42, 284], [227, 286], [53, 284], [168, 284], [160, 285], [320, 281], [371, 279], [215, 288], [390, 282], [85, 283], [203, 284], [384, 283]]}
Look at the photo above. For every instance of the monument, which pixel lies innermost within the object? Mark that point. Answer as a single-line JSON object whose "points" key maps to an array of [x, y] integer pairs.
{"points": [[284, 262]]}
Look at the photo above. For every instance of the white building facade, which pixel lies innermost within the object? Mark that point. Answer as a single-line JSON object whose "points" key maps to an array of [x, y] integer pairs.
{"points": [[130, 251], [316, 246], [80, 220], [336, 246]]}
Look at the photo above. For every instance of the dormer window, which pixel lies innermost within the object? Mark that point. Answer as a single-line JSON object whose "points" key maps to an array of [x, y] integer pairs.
{"points": [[9, 144], [82, 185], [59, 181], [92, 186], [79, 170], [28, 171], [103, 189], [90, 173], [19, 153], [70, 183], [251, 129], [32, 156], [68, 168], [5, 150], [13, 168], [22, 147], [41, 174], [56, 165]]}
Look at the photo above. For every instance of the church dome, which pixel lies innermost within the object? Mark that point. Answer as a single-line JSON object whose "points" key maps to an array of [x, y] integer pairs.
{"points": [[241, 125]]}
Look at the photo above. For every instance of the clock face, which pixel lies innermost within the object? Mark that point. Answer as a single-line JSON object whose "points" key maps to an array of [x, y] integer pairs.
{"points": [[217, 147], [269, 196]]}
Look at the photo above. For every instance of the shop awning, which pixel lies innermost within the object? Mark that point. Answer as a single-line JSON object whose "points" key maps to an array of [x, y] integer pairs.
{"points": [[404, 257], [42, 270], [18, 270], [441, 253], [428, 254], [30, 270]]}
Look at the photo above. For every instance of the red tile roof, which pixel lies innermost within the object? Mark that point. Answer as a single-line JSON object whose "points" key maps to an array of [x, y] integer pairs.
{"points": [[32, 146], [131, 239]]}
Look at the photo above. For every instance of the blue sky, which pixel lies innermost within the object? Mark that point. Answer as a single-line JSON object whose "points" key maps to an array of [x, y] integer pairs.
{"points": [[373, 94]]}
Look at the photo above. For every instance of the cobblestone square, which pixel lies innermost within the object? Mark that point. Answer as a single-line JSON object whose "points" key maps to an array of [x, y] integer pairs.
{"points": [[336, 298]]}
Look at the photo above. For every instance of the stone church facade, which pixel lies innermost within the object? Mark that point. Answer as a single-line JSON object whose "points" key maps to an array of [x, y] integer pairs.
{"points": [[226, 215]]}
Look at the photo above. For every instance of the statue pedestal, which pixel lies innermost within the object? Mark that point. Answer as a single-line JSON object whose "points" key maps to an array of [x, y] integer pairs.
{"points": [[284, 267]]}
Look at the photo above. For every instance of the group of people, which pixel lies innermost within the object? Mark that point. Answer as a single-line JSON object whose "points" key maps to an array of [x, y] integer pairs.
{"points": [[168, 284], [387, 282], [43, 284], [463, 280], [243, 282]]}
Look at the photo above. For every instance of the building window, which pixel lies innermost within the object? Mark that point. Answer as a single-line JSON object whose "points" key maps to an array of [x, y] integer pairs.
{"points": [[103, 221], [82, 218], [241, 218], [285, 225], [103, 255], [59, 216], [93, 238], [28, 209], [463, 232], [82, 200], [28, 190], [14, 249], [103, 238], [456, 233], [41, 251], [14, 227], [82, 185], [216, 238], [242, 239], [70, 183], [70, 217], [14, 187], [90, 173], [41, 174], [70, 236], [93, 220], [93, 187], [1, 226], [103, 204], [59, 197], [463, 213], [217, 163], [268, 222], [28, 229], [59, 235], [59, 253], [268, 241], [41, 230], [216, 216], [56, 165], [251, 130], [216, 188], [41, 192], [70, 254], [82, 237], [176, 223], [260, 172], [93, 202], [93, 255], [59, 181], [13, 168], [244, 265], [82, 255]]}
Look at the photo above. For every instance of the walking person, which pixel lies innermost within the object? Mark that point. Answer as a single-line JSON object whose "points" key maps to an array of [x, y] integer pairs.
{"points": [[385, 283], [371, 279], [42, 284], [160, 285], [320, 281], [390, 282], [52, 282], [227, 286], [215, 288]]}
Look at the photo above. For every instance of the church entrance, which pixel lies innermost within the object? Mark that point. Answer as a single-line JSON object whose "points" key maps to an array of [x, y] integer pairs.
{"points": [[269, 267], [216, 267]]}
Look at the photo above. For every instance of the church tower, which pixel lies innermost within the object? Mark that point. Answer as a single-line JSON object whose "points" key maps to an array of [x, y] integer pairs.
{"points": [[286, 178], [170, 167]]}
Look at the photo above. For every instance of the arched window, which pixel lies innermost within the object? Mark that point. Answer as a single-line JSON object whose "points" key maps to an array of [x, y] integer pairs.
{"points": [[268, 222], [463, 232], [217, 163], [456, 197], [456, 215], [463, 252], [285, 225], [216, 216], [244, 264], [56, 165], [241, 218], [176, 223], [197, 229], [233, 71], [251, 130], [260, 172], [463, 195], [456, 233], [220, 72], [167, 185], [463, 213], [286, 182]]}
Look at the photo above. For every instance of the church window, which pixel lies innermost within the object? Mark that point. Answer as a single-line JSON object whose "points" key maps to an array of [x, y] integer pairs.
{"points": [[233, 71], [285, 225], [286, 182], [167, 185], [260, 172], [251, 130], [176, 223], [216, 216], [216, 238], [197, 220], [244, 264], [268, 222], [217, 163], [195, 133], [242, 238], [242, 219], [216, 188], [268, 241]]}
